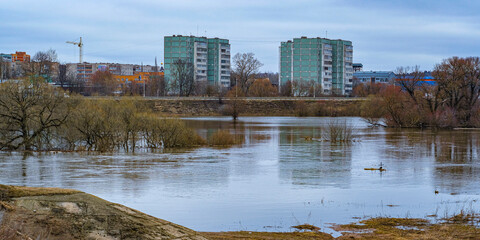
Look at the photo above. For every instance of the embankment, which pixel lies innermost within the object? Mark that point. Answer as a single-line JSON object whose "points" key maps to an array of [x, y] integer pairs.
{"points": [[258, 106]]}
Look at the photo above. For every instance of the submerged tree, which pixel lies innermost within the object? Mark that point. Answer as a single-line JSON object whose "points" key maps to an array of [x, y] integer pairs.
{"points": [[450, 101], [28, 110], [236, 102]]}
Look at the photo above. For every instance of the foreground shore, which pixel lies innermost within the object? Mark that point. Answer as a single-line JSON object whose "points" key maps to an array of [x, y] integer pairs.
{"points": [[52, 213]]}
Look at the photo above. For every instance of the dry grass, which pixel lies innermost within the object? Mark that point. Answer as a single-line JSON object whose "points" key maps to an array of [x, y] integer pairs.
{"points": [[307, 227], [7, 192], [266, 235], [406, 228]]}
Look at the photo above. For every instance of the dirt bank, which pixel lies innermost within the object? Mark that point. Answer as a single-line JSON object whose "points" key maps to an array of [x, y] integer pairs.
{"points": [[49, 213], [256, 107]]}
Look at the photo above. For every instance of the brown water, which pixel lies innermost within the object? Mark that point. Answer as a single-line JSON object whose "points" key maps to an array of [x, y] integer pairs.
{"points": [[276, 178]]}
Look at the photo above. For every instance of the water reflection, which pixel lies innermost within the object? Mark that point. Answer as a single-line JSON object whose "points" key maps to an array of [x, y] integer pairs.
{"points": [[316, 163], [275, 177], [455, 155]]}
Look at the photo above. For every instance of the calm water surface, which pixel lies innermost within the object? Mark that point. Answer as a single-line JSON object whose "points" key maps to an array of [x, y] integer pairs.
{"points": [[276, 178]]}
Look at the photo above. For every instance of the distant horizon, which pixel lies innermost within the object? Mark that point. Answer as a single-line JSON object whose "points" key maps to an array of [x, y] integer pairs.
{"points": [[385, 35]]}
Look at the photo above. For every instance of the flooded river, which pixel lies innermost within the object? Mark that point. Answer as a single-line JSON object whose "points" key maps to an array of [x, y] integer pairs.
{"points": [[276, 178]]}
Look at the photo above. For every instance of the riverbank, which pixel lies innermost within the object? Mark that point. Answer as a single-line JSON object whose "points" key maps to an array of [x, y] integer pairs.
{"points": [[52, 213], [457, 227], [184, 107]]}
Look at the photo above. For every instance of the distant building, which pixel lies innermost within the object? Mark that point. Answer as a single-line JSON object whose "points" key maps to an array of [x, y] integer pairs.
{"points": [[20, 57], [6, 57], [84, 71], [357, 67], [121, 69], [137, 78], [318, 60], [374, 76], [210, 58], [425, 78]]}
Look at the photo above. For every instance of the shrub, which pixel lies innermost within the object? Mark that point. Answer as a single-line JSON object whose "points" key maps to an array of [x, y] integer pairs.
{"points": [[338, 131], [222, 138], [372, 110], [168, 133], [301, 109]]}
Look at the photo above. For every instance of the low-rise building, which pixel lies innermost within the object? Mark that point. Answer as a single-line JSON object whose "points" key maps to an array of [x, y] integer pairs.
{"points": [[374, 76], [20, 57], [357, 67], [6, 57], [84, 71]]}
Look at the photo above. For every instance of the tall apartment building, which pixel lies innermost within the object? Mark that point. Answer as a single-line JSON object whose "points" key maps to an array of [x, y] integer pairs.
{"points": [[210, 58], [318, 60]]}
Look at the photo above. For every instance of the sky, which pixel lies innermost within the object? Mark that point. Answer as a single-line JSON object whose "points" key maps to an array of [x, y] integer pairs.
{"points": [[385, 34]]}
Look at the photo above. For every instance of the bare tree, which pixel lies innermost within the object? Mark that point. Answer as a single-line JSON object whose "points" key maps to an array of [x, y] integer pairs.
{"points": [[27, 111], [409, 79], [156, 86], [301, 88], [286, 89], [42, 64], [236, 103], [103, 83], [5, 69], [183, 77], [459, 82], [245, 70]]}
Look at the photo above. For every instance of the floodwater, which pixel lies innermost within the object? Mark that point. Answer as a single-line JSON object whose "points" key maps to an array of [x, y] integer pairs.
{"points": [[276, 178]]}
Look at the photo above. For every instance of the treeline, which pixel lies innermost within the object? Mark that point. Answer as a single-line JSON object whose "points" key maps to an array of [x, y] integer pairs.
{"points": [[37, 116], [452, 101]]}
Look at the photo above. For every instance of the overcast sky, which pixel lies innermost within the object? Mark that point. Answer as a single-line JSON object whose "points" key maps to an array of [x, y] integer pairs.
{"points": [[385, 34]]}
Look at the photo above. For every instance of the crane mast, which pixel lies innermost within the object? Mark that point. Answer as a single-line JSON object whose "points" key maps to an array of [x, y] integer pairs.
{"points": [[80, 45]]}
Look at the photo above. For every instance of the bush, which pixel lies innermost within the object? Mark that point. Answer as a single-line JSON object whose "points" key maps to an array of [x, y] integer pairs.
{"points": [[372, 110], [106, 125], [338, 131], [222, 138], [168, 133], [301, 109]]}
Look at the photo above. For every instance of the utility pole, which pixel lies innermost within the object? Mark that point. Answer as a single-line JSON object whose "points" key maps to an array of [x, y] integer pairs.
{"points": [[314, 83], [143, 81]]}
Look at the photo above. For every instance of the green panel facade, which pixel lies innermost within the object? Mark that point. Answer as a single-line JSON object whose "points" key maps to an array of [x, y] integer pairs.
{"points": [[210, 56], [317, 60]]}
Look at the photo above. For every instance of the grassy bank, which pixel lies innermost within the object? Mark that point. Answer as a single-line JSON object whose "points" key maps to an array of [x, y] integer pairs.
{"points": [[375, 228]]}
